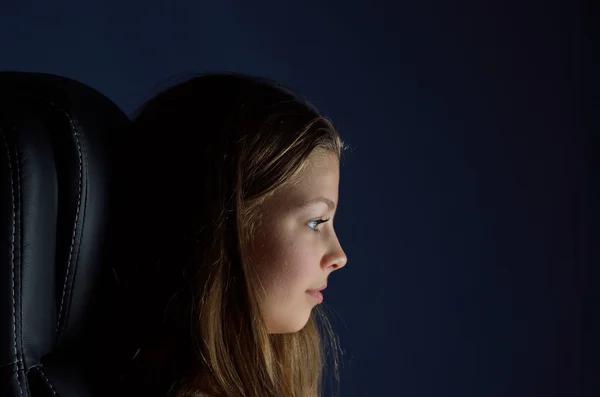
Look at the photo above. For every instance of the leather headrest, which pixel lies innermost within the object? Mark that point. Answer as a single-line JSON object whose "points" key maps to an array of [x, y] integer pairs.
{"points": [[56, 140]]}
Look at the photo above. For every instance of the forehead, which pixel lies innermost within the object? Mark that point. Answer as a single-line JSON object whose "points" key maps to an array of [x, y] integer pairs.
{"points": [[319, 177]]}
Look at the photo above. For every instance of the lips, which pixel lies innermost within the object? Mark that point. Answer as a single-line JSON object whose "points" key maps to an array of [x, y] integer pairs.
{"points": [[318, 296]]}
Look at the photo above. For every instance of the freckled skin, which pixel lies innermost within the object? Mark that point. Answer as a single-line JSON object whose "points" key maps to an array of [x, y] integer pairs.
{"points": [[289, 255]]}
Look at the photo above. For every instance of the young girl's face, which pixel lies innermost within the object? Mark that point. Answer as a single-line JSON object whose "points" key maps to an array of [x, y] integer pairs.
{"points": [[295, 248]]}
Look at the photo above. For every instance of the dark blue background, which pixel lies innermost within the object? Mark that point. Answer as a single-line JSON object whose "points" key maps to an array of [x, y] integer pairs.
{"points": [[461, 201]]}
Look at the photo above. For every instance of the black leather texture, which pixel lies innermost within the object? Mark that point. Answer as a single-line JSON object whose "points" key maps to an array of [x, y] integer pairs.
{"points": [[56, 140]]}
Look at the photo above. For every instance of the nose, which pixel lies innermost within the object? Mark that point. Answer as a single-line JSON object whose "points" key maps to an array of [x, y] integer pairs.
{"points": [[340, 262], [336, 258]]}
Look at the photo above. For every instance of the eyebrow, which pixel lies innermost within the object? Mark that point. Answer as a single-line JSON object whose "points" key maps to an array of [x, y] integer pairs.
{"points": [[320, 199]]}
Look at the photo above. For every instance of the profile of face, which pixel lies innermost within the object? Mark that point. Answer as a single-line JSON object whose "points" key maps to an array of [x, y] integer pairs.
{"points": [[296, 246]]}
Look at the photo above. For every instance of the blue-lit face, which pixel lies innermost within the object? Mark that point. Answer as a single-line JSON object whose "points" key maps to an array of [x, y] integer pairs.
{"points": [[296, 247]]}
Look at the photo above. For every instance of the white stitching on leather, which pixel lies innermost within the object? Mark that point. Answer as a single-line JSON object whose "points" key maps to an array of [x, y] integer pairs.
{"points": [[12, 257], [47, 382], [20, 198], [79, 188], [11, 363]]}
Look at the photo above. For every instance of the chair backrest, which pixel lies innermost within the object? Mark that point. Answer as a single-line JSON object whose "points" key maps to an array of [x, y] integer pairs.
{"points": [[56, 140]]}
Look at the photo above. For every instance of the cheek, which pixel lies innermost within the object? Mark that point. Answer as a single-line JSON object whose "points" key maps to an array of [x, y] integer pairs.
{"points": [[289, 266]]}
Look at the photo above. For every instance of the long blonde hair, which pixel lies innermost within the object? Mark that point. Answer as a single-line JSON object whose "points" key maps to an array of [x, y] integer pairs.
{"points": [[201, 158]]}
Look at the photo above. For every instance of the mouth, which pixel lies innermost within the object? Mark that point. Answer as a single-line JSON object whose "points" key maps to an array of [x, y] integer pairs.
{"points": [[316, 294]]}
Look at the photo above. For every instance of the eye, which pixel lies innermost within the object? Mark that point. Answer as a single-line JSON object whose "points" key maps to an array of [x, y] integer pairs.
{"points": [[316, 223]]}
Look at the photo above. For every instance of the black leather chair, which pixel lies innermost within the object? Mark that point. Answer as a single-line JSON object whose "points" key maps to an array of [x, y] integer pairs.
{"points": [[56, 140]]}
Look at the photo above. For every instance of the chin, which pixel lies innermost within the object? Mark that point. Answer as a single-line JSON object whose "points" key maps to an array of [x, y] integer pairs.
{"points": [[288, 327]]}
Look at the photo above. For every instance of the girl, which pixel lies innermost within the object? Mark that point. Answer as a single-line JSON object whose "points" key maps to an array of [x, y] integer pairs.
{"points": [[228, 186]]}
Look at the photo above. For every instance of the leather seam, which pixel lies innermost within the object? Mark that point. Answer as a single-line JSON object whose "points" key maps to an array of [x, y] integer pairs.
{"points": [[20, 290], [74, 233], [47, 381], [16, 362], [79, 144], [85, 179], [12, 257]]}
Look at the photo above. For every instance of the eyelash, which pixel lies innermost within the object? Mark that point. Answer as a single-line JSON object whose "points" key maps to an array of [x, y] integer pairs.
{"points": [[318, 222]]}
